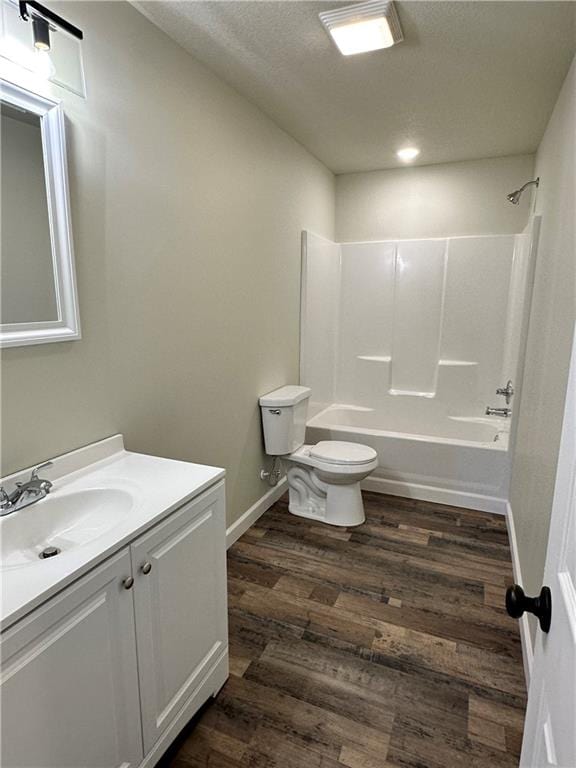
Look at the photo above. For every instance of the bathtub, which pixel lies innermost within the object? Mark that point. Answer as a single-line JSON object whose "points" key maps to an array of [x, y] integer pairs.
{"points": [[423, 454]]}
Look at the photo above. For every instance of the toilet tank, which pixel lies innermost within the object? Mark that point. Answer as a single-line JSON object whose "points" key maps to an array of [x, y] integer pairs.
{"points": [[284, 419]]}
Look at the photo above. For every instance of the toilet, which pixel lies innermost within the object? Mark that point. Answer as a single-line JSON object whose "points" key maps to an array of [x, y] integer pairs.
{"points": [[323, 479]]}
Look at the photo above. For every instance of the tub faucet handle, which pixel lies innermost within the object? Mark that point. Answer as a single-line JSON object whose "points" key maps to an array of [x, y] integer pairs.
{"points": [[506, 391]]}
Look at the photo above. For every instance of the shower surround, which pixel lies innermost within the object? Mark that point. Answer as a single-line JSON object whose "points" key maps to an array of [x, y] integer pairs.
{"points": [[404, 344]]}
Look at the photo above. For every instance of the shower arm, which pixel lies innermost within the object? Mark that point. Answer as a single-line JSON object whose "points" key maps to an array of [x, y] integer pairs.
{"points": [[528, 183]]}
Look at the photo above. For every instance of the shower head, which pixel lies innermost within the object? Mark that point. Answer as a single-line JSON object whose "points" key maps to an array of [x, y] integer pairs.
{"points": [[514, 197]]}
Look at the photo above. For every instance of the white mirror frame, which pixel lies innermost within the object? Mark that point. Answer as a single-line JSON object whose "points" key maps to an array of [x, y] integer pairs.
{"points": [[67, 326]]}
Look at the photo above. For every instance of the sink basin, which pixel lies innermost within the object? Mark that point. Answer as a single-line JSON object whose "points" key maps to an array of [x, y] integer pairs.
{"points": [[63, 520]]}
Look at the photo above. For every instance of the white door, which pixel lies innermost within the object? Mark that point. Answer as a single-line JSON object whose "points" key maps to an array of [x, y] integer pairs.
{"points": [[550, 728], [69, 682], [180, 602]]}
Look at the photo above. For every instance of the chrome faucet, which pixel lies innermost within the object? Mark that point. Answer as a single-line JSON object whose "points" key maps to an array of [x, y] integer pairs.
{"points": [[506, 391], [26, 493], [503, 412]]}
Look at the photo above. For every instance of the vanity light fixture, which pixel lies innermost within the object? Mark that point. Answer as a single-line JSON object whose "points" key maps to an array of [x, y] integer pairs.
{"points": [[363, 27], [45, 21], [407, 154], [41, 31]]}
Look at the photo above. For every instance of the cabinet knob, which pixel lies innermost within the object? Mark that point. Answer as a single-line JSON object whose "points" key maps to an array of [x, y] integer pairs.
{"points": [[146, 568], [128, 582]]}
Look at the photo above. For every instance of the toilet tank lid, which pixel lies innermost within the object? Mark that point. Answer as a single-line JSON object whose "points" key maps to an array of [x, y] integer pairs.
{"points": [[285, 396]]}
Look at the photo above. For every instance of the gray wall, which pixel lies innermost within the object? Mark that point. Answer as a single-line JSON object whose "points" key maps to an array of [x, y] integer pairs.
{"points": [[549, 342], [187, 238], [466, 198]]}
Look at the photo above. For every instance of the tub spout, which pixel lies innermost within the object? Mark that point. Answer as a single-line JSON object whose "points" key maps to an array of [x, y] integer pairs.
{"points": [[503, 412]]}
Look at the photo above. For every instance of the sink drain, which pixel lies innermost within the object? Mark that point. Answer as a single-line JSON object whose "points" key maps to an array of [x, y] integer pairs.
{"points": [[49, 552]]}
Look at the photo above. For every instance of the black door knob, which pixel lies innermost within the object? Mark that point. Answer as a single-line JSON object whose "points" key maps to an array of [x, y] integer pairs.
{"points": [[517, 603]]}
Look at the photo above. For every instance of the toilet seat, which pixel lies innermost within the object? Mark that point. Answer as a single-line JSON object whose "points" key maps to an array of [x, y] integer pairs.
{"points": [[342, 453]]}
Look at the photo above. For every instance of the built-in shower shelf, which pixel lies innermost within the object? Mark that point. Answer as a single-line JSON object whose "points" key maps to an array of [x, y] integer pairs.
{"points": [[375, 358], [411, 393], [457, 363]]}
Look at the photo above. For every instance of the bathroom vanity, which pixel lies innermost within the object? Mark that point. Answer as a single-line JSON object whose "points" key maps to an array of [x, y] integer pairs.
{"points": [[110, 646]]}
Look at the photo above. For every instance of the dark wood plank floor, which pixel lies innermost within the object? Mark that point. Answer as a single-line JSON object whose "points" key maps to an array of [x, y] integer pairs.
{"points": [[371, 647]]}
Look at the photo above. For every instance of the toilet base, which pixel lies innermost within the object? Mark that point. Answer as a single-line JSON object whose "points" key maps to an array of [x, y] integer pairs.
{"points": [[334, 504]]}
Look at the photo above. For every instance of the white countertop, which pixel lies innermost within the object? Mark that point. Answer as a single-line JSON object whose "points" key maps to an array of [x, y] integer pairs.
{"points": [[158, 487]]}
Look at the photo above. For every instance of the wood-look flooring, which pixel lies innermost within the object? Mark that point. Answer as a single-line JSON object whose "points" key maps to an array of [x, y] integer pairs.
{"points": [[381, 646]]}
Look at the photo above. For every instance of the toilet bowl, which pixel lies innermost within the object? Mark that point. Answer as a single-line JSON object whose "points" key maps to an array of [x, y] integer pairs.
{"points": [[323, 479]]}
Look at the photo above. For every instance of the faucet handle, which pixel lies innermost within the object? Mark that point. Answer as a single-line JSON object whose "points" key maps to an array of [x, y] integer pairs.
{"points": [[506, 391], [4, 498], [34, 475], [37, 484]]}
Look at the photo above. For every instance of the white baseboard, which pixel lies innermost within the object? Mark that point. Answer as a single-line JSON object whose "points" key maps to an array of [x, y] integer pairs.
{"points": [[525, 635], [437, 495], [249, 517]]}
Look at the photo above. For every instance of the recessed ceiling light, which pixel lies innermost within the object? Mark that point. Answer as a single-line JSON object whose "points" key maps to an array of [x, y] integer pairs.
{"points": [[363, 27], [407, 154]]}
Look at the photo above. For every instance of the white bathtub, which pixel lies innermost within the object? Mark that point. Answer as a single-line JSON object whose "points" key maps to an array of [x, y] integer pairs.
{"points": [[458, 460]]}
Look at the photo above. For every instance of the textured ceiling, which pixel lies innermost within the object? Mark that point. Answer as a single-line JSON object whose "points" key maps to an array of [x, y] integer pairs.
{"points": [[471, 79]]}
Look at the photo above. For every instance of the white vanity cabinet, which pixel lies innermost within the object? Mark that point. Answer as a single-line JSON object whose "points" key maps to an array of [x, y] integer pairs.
{"points": [[180, 607], [107, 672], [70, 680]]}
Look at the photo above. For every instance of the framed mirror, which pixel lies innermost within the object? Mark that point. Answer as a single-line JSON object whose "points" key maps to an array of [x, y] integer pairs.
{"points": [[38, 297]]}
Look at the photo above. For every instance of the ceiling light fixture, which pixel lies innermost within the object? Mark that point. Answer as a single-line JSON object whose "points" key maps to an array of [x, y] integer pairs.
{"points": [[407, 154], [363, 27]]}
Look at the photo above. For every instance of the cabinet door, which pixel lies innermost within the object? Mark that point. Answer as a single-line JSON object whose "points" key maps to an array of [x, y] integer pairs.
{"points": [[69, 680], [180, 601]]}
